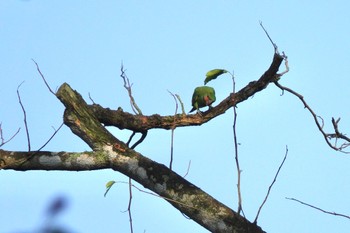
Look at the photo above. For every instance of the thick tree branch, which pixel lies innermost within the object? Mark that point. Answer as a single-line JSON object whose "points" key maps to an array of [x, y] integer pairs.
{"points": [[183, 195], [47, 160], [114, 154], [138, 123]]}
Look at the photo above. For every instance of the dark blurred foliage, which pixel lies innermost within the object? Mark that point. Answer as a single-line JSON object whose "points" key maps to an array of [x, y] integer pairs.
{"points": [[55, 209]]}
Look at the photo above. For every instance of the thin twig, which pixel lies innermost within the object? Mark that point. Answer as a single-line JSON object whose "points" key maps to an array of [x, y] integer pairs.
{"points": [[317, 208], [53, 135], [237, 162], [171, 150], [128, 86], [188, 169], [22, 161], [181, 103], [1, 135], [172, 132], [91, 99], [24, 115], [236, 152], [129, 205], [43, 146], [42, 76], [267, 34], [270, 187], [133, 104], [3, 141]]}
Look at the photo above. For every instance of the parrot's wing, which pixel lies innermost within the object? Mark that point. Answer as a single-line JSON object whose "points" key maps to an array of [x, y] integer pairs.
{"points": [[194, 98], [194, 101], [212, 96]]}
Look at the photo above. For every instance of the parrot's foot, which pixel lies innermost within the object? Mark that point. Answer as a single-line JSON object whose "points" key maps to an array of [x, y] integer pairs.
{"points": [[199, 113]]}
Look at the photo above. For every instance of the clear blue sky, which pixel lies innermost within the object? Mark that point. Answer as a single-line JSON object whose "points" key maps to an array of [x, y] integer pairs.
{"points": [[170, 46]]}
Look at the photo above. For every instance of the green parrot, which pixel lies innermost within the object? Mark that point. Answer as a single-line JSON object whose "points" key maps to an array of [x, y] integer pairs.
{"points": [[202, 96]]}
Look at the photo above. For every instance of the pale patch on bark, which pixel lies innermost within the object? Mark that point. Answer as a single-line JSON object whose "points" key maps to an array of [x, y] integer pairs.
{"points": [[85, 159], [50, 160]]}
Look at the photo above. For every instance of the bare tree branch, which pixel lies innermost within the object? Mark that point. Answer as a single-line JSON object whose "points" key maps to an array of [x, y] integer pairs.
{"points": [[128, 86], [267, 34], [181, 103], [42, 76], [93, 102], [3, 141], [239, 171], [172, 133], [129, 205], [134, 107], [24, 115], [270, 187], [317, 208], [188, 169], [52, 136], [319, 125]]}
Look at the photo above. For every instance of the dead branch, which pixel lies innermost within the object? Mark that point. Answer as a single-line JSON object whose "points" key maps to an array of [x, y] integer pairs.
{"points": [[239, 171], [128, 86], [235, 141], [42, 76], [268, 36], [270, 187], [129, 205], [188, 169], [327, 136], [93, 102], [181, 103], [24, 116], [172, 132], [317, 208], [50, 138], [3, 141], [134, 107]]}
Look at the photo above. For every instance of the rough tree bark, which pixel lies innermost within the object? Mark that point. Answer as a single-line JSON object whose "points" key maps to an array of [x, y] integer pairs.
{"points": [[108, 152]]}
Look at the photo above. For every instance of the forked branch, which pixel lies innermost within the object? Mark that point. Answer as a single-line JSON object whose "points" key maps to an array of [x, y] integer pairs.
{"points": [[327, 136], [3, 140]]}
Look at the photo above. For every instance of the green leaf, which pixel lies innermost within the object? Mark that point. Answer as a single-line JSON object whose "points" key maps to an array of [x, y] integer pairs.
{"points": [[213, 74], [109, 186]]}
